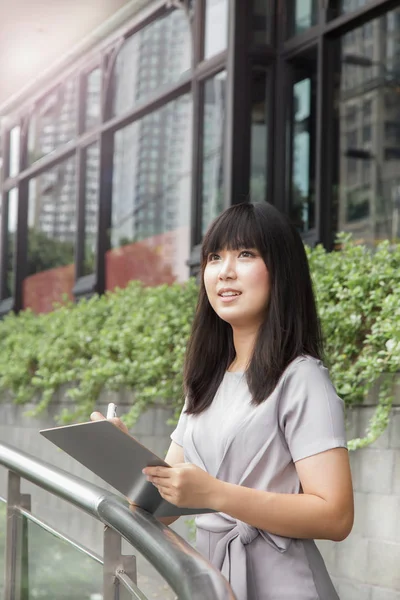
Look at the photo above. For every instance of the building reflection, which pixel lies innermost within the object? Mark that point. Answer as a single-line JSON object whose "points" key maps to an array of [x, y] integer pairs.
{"points": [[369, 130]]}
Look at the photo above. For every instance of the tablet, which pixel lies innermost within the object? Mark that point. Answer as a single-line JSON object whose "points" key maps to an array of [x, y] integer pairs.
{"points": [[118, 458]]}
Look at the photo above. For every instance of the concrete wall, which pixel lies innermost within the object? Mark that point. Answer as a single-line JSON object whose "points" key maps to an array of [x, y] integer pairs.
{"points": [[365, 566]]}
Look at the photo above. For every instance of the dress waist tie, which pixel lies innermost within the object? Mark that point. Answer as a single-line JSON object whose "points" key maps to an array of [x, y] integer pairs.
{"points": [[230, 553]]}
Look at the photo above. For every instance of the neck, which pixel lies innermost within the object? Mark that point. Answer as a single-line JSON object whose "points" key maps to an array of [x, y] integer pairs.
{"points": [[243, 340]]}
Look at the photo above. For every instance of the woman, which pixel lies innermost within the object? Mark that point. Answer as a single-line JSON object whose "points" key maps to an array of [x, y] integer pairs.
{"points": [[261, 439]]}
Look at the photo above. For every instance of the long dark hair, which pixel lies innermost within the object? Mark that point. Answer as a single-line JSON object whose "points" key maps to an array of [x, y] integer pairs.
{"points": [[291, 327]]}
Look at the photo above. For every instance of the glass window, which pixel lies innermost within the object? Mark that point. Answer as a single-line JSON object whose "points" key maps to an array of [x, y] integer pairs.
{"points": [[261, 22], [358, 205], [93, 99], [14, 151], [368, 148], [168, 42], [340, 7], [366, 133], [352, 139], [51, 237], [92, 174], [392, 154], [216, 27], [367, 109], [258, 160], [53, 121], [366, 173], [392, 131], [213, 146], [302, 15], [302, 188], [150, 231], [12, 220], [351, 115]]}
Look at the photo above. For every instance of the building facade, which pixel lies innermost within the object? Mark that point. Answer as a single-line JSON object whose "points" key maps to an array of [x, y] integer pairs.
{"points": [[113, 165]]}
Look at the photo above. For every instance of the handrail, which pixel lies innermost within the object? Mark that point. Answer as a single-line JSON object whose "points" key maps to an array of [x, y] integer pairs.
{"points": [[190, 575]]}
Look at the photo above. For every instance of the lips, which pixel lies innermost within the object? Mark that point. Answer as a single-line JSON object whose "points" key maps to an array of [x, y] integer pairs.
{"points": [[229, 293]]}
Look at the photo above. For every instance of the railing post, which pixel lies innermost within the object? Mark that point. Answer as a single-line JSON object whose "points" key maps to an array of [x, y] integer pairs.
{"points": [[16, 559], [115, 562]]}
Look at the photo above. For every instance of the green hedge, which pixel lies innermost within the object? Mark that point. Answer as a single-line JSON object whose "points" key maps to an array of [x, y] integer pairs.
{"points": [[135, 338]]}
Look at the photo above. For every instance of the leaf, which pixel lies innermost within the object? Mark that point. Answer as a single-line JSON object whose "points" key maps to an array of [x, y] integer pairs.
{"points": [[134, 339]]}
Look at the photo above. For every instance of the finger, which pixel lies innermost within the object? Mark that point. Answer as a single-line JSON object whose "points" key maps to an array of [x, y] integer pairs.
{"points": [[158, 471], [164, 492], [159, 481], [97, 416]]}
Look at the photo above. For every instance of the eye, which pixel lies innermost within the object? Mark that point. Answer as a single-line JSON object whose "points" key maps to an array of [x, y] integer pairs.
{"points": [[213, 256], [247, 254]]}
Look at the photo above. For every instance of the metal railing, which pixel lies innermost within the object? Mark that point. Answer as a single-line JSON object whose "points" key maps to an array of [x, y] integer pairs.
{"points": [[190, 575]]}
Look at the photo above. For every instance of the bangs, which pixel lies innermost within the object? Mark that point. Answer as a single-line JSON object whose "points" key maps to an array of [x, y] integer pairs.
{"points": [[236, 228]]}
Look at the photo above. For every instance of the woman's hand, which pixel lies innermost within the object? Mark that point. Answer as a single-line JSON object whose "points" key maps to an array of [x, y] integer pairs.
{"points": [[185, 485], [97, 416]]}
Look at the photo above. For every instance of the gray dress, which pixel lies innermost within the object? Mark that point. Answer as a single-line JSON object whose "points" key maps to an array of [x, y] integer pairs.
{"points": [[257, 446]]}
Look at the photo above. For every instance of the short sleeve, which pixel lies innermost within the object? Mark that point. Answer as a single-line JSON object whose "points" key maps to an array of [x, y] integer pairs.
{"points": [[179, 431], [311, 414]]}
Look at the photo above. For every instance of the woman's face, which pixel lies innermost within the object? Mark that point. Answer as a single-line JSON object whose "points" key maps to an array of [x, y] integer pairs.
{"points": [[237, 283]]}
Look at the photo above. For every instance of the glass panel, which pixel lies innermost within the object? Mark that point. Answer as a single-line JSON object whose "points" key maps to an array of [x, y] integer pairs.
{"points": [[14, 151], [93, 99], [261, 22], [213, 144], [12, 221], [302, 185], [154, 57], [51, 237], [216, 27], [258, 165], [55, 570], [92, 168], [368, 115], [302, 16], [149, 581], [3, 524], [53, 122], [340, 7], [151, 198]]}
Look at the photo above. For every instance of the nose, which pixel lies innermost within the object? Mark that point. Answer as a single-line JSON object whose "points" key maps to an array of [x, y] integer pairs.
{"points": [[227, 270]]}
